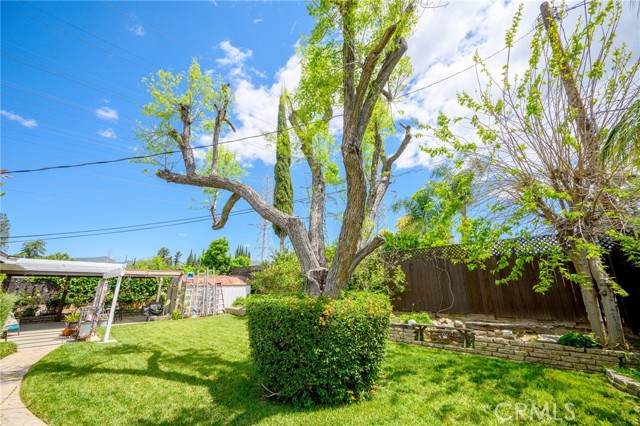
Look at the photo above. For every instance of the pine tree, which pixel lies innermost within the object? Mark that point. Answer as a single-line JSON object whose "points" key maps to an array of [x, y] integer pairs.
{"points": [[283, 189], [242, 251], [190, 260]]}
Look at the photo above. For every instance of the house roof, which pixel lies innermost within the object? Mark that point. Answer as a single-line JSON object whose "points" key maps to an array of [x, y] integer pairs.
{"points": [[225, 280]]}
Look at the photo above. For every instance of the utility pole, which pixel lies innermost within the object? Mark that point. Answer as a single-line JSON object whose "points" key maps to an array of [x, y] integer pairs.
{"points": [[264, 243]]}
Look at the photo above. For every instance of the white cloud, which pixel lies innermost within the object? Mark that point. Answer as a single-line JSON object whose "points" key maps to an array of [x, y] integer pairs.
{"points": [[134, 26], [136, 29], [443, 44], [107, 133], [30, 123], [183, 235], [107, 113], [255, 113], [257, 21], [234, 58]]}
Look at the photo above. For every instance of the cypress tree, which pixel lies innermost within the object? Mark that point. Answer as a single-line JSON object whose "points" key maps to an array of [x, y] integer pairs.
{"points": [[283, 189]]}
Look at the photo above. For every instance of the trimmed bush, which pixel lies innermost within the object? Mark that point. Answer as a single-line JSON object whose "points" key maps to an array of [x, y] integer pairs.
{"points": [[310, 350], [6, 305], [577, 340]]}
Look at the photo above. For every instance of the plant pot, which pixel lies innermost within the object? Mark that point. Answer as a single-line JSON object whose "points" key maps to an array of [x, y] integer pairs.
{"points": [[68, 332]]}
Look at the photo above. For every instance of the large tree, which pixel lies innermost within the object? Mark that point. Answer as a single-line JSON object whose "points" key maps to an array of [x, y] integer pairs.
{"points": [[353, 62], [283, 188], [217, 256], [33, 249], [546, 157]]}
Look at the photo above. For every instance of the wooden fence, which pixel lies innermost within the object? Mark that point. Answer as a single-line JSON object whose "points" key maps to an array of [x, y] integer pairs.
{"points": [[435, 284]]}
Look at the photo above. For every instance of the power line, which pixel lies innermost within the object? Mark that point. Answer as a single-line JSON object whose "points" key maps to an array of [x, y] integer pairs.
{"points": [[133, 228], [141, 157]]}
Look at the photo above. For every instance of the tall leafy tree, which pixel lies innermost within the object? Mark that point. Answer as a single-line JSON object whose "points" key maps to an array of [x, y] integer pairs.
{"points": [[165, 254], [217, 256], [283, 188], [353, 61], [544, 159], [176, 258], [59, 256], [33, 249]]}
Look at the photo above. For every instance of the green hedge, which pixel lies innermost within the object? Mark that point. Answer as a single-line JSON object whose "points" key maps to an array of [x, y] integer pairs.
{"points": [[6, 305], [319, 350]]}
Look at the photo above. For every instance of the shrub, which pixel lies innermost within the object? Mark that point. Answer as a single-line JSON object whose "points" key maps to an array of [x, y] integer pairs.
{"points": [[6, 305], [176, 314], [240, 301], [310, 350], [419, 317], [577, 340], [282, 276], [379, 274]]}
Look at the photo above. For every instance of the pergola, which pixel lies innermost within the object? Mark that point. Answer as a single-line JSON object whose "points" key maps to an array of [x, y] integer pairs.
{"points": [[16, 266]]}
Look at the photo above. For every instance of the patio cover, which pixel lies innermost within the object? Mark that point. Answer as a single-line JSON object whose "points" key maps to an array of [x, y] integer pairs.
{"points": [[11, 265], [17, 266]]}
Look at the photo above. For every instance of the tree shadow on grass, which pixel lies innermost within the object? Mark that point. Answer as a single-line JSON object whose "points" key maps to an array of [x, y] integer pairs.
{"points": [[231, 384], [227, 391]]}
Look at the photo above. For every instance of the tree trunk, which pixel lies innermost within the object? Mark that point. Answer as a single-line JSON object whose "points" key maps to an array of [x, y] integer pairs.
{"points": [[63, 299], [590, 299], [282, 238], [609, 304]]}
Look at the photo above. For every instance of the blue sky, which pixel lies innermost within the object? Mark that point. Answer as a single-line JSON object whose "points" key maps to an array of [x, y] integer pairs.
{"points": [[71, 93]]}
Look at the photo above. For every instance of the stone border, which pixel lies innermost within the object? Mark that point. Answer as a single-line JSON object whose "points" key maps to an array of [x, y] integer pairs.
{"points": [[550, 354], [623, 383], [239, 311]]}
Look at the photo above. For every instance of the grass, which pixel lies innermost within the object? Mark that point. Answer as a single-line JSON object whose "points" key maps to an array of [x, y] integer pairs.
{"points": [[632, 373], [7, 348], [198, 372]]}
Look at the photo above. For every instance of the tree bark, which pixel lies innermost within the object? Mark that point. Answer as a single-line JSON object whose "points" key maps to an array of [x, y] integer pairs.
{"points": [[609, 304], [358, 109], [585, 177], [318, 189], [590, 298], [378, 186], [293, 224]]}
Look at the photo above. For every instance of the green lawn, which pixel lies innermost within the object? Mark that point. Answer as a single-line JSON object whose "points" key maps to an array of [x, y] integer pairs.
{"points": [[7, 348], [198, 372]]}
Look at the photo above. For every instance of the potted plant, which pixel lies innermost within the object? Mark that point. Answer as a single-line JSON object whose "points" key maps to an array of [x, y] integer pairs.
{"points": [[71, 323]]}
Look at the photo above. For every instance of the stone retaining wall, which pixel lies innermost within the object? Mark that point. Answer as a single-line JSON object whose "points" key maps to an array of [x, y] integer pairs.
{"points": [[551, 354], [623, 383]]}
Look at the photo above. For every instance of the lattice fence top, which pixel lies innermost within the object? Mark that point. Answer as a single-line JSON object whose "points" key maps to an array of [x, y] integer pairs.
{"points": [[536, 245]]}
